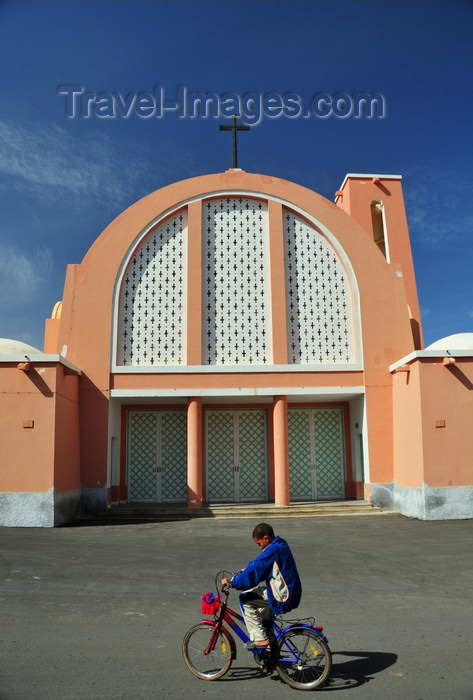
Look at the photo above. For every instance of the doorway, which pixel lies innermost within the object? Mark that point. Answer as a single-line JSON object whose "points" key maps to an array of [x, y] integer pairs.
{"points": [[236, 456], [157, 456], [316, 454]]}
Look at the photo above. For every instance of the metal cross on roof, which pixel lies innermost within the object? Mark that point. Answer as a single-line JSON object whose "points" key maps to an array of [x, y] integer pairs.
{"points": [[234, 128]]}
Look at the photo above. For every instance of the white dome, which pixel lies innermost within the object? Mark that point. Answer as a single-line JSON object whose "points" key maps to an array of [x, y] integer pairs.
{"points": [[458, 341], [15, 347]]}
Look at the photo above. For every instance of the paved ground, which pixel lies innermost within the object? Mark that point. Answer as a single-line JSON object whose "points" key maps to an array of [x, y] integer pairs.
{"points": [[99, 612]]}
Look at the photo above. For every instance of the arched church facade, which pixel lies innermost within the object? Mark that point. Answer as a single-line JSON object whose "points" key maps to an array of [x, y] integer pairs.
{"points": [[231, 338]]}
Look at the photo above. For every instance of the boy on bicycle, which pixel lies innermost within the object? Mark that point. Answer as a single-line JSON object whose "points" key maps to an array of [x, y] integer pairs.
{"points": [[280, 592]]}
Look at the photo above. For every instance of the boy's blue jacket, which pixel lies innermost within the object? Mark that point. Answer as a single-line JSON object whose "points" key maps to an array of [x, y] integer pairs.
{"points": [[277, 567]]}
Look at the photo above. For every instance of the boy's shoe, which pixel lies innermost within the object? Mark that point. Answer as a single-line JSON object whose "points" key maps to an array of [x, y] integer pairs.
{"points": [[264, 659], [251, 646]]}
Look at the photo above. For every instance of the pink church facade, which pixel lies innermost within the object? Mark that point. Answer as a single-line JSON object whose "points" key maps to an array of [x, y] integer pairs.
{"points": [[238, 338]]}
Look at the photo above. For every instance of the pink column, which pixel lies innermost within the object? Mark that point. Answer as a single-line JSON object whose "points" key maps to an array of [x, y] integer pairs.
{"points": [[281, 453], [194, 284], [278, 284], [195, 471]]}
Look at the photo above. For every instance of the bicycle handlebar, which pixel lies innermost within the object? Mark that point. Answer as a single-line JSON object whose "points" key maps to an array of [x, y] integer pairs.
{"points": [[218, 579]]}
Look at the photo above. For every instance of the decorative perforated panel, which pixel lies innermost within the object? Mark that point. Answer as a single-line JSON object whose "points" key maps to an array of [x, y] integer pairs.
{"points": [[151, 324], [252, 456], [329, 453], [318, 297], [142, 455], [301, 455], [173, 455], [236, 282], [221, 456]]}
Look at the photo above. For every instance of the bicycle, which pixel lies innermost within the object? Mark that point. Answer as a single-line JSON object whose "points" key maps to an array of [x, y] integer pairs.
{"points": [[298, 649]]}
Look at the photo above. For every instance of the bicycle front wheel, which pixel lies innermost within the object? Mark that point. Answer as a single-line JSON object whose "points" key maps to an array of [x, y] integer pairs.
{"points": [[303, 659], [213, 664]]}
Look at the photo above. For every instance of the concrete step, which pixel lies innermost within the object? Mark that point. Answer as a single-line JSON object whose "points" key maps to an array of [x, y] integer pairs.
{"points": [[151, 512]]}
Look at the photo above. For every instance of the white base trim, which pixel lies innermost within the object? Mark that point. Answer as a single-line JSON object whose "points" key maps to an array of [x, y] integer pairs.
{"points": [[425, 502], [31, 509]]}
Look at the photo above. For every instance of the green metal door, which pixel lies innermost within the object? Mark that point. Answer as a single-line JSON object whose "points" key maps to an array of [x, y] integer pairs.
{"points": [[316, 453], [236, 459], [157, 456]]}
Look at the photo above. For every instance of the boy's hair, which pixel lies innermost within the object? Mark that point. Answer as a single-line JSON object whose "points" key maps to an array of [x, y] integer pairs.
{"points": [[263, 529]]}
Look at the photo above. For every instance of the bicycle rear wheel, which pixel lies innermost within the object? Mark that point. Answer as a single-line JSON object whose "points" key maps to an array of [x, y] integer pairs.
{"points": [[216, 662], [303, 659]]}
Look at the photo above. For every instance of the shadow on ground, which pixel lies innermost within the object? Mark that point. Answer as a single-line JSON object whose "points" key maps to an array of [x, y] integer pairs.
{"points": [[359, 668]]}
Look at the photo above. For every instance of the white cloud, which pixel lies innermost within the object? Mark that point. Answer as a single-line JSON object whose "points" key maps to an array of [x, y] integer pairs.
{"points": [[46, 159], [23, 274], [438, 207]]}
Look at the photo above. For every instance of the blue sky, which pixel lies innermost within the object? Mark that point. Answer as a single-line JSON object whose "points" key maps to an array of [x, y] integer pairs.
{"points": [[64, 178]]}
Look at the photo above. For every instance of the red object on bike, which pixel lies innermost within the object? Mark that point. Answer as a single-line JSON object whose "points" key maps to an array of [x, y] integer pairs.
{"points": [[210, 603]]}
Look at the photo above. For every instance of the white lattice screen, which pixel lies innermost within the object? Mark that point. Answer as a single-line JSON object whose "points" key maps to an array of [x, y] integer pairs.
{"points": [[236, 282], [151, 325], [318, 297], [236, 313]]}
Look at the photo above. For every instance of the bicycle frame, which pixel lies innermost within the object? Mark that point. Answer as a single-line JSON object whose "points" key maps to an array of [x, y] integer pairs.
{"points": [[231, 617], [225, 613]]}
